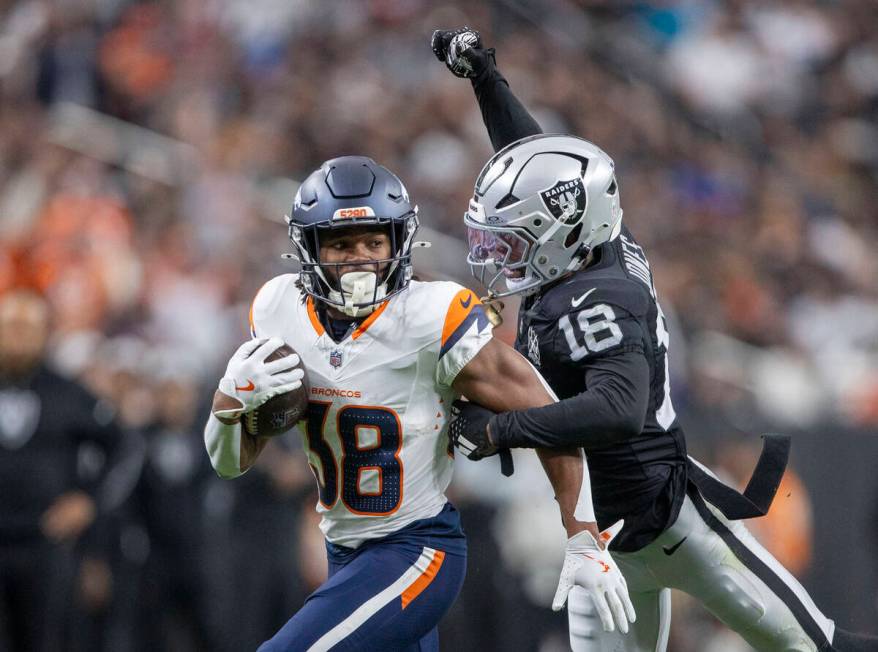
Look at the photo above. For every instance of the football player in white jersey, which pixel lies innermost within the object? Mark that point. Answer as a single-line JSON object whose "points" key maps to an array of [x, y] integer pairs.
{"points": [[386, 357]]}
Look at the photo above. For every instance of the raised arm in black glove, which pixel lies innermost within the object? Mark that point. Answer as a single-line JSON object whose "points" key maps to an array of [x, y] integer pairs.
{"points": [[461, 50], [505, 117]]}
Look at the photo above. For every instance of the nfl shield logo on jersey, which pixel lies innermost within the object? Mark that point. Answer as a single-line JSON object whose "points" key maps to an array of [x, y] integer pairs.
{"points": [[566, 200], [335, 358]]}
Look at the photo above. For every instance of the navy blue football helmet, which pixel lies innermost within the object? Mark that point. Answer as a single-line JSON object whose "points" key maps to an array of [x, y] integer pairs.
{"points": [[352, 191]]}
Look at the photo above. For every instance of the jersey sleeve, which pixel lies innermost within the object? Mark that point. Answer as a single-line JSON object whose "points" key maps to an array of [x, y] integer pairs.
{"points": [[504, 115], [600, 321], [465, 330], [264, 318]]}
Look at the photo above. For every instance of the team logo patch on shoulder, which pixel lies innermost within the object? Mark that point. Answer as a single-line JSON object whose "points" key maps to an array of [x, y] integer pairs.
{"points": [[566, 200], [335, 358], [533, 346]]}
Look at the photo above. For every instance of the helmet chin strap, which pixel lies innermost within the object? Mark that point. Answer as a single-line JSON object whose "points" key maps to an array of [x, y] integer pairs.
{"points": [[359, 287]]}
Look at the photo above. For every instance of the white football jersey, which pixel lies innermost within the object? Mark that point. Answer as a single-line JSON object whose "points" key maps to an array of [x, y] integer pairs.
{"points": [[376, 435]]}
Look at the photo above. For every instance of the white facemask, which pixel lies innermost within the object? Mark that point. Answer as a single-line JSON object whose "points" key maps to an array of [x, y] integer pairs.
{"points": [[358, 287]]}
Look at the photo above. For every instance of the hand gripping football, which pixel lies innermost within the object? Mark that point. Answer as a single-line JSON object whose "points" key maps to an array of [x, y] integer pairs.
{"points": [[280, 413]]}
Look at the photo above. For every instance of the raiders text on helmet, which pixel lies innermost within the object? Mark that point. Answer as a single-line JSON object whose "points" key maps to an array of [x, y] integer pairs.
{"points": [[540, 205]]}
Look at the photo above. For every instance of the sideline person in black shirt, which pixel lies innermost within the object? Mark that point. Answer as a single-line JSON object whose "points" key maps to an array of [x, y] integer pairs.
{"points": [[44, 504]]}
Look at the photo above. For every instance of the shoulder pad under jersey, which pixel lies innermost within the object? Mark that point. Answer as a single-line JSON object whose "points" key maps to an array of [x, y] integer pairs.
{"points": [[441, 309], [266, 312], [583, 290]]}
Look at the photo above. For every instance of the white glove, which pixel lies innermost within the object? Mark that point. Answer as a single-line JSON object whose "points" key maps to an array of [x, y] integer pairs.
{"points": [[586, 565], [251, 381]]}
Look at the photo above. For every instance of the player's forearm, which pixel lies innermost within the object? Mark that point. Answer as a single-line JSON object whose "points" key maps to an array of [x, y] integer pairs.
{"points": [[611, 410], [504, 115], [232, 451], [499, 378], [568, 474]]}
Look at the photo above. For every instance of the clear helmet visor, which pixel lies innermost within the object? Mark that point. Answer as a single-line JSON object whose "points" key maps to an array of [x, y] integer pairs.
{"points": [[505, 251]]}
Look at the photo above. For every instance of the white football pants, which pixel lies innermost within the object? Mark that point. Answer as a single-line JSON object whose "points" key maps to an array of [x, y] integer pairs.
{"points": [[719, 563]]}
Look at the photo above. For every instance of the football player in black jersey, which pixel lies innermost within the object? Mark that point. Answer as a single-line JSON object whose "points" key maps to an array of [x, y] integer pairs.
{"points": [[545, 222]]}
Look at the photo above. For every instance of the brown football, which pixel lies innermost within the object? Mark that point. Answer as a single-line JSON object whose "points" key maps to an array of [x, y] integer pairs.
{"points": [[280, 413]]}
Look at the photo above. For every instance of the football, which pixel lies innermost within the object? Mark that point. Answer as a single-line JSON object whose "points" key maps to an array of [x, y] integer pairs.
{"points": [[280, 413]]}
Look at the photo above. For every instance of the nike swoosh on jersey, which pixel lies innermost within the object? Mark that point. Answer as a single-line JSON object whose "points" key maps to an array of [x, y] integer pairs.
{"points": [[465, 304], [670, 551], [575, 302], [249, 387]]}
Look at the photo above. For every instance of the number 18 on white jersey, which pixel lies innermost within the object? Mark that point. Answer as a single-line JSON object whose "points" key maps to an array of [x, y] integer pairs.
{"points": [[375, 434]]}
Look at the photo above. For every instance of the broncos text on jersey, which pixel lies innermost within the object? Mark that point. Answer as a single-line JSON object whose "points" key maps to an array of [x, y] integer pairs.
{"points": [[376, 435], [606, 309]]}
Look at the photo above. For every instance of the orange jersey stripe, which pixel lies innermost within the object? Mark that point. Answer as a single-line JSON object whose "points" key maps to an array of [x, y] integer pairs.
{"points": [[424, 579], [461, 306], [312, 315], [369, 320]]}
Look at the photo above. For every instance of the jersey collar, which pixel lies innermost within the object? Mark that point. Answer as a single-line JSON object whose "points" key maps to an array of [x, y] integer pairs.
{"points": [[314, 318]]}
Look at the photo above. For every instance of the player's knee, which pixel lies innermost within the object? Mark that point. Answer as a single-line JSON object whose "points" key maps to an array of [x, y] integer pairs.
{"points": [[736, 600], [739, 603]]}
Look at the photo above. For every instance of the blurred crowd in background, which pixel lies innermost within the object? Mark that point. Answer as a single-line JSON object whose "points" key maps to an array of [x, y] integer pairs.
{"points": [[148, 152]]}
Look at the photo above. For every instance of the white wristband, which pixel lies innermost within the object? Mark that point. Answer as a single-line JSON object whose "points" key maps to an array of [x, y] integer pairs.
{"points": [[584, 507]]}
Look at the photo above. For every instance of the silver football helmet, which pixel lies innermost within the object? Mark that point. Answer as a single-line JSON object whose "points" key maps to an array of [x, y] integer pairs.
{"points": [[540, 205]]}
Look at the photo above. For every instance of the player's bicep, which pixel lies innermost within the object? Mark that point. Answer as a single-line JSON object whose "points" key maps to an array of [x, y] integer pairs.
{"points": [[500, 379]]}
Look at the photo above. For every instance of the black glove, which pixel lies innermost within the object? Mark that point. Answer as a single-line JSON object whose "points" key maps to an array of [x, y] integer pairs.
{"points": [[461, 50], [468, 430]]}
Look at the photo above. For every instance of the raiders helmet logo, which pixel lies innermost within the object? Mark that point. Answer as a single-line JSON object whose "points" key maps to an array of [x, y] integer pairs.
{"points": [[566, 200]]}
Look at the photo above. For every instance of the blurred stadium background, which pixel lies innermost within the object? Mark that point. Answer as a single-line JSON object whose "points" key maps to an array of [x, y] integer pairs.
{"points": [[148, 151]]}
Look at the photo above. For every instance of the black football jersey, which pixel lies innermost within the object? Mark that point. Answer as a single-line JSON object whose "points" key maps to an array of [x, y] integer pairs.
{"points": [[610, 308]]}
